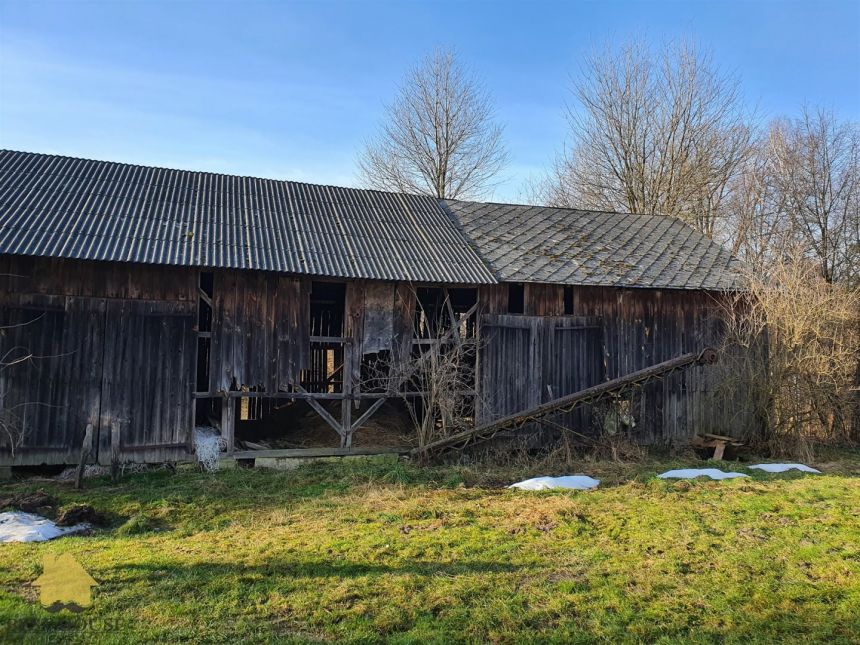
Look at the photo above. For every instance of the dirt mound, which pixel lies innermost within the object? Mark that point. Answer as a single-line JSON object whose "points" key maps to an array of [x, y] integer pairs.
{"points": [[78, 514], [36, 502]]}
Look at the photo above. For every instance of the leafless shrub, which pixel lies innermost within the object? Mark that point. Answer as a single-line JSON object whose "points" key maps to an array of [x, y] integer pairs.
{"points": [[442, 370], [436, 380], [809, 331], [794, 218], [439, 137]]}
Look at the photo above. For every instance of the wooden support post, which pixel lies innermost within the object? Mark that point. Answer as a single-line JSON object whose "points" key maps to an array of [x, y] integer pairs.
{"points": [[479, 351], [228, 423], [346, 424], [346, 404], [455, 326], [86, 450]]}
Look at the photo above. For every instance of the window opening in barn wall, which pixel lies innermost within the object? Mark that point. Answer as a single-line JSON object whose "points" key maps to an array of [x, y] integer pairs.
{"points": [[568, 301], [327, 310], [516, 298], [207, 411], [434, 307], [205, 290]]}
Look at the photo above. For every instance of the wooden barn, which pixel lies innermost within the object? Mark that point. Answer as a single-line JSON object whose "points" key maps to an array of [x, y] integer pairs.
{"points": [[141, 302]]}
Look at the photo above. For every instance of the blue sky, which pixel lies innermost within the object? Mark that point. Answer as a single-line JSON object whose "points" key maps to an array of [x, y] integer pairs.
{"points": [[290, 90]]}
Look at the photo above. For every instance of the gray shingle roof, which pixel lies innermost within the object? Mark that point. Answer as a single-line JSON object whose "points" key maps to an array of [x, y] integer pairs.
{"points": [[566, 246], [95, 210]]}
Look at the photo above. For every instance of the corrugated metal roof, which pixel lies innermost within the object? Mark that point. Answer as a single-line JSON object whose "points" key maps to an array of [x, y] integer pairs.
{"points": [[566, 246], [96, 210]]}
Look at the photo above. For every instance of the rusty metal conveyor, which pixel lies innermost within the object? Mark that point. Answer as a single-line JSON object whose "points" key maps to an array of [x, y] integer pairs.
{"points": [[568, 402]]}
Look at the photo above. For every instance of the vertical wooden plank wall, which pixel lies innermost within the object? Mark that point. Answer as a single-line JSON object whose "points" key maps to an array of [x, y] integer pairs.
{"points": [[543, 299], [54, 394], [260, 335], [645, 326], [96, 365], [148, 381]]}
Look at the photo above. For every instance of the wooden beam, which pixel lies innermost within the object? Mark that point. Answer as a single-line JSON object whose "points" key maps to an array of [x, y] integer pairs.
{"points": [[114, 450], [331, 340], [286, 453], [321, 396], [320, 410], [346, 423], [204, 297], [346, 386], [368, 413], [455, 325], [707, 356]]}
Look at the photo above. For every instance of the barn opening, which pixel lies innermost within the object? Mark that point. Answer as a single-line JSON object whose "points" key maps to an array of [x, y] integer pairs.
{"points": [[207, 409], [445, 329], [516, 298], [327, 309]]}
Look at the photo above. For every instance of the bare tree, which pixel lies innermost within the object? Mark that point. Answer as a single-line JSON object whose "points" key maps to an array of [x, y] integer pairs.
{"points": [[655, 132], [800, 192], [816, 168], [756, 228], [439, 137]]}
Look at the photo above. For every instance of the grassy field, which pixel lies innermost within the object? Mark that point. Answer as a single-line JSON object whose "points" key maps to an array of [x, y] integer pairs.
{"points": [[382, 551]]}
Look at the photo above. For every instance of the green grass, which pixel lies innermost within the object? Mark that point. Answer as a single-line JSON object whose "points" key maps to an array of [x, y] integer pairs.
{"points": [[381, 551]]}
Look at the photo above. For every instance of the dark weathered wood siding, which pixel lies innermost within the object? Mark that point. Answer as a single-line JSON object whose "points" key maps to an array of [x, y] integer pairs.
{"points": [[637, 328], [529, 360], [259, 331], [112, 346], [56, 393], [642, 327], [147, 380], [115, 345]]}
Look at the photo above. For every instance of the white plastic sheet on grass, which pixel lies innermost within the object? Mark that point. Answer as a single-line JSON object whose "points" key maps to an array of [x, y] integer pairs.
{"points": [[781, 468], [573, 482], [16, 526], [692, 473]]}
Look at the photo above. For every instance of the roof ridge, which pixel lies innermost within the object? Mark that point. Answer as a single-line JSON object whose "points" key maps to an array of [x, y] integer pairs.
{"points": [[217, 174], [569, 209]]}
